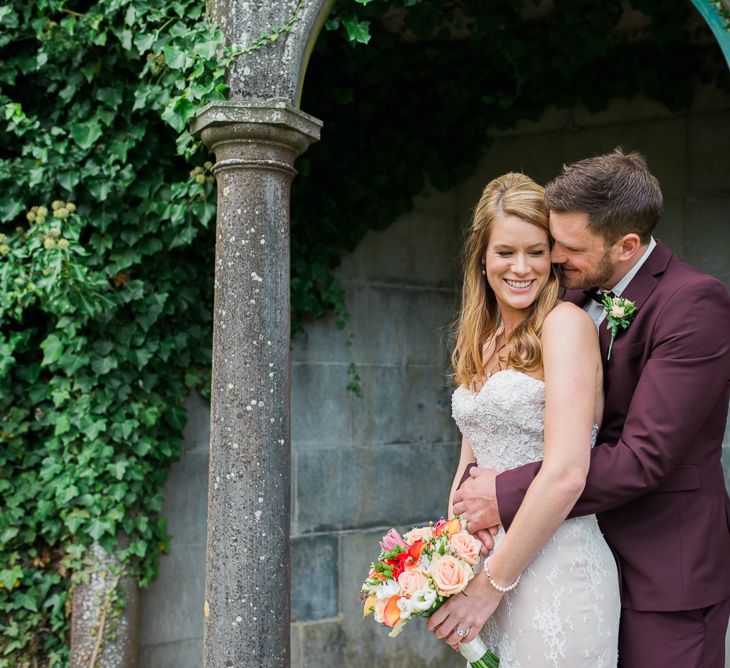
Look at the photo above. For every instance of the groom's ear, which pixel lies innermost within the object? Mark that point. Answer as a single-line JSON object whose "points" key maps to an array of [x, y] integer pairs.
{"points": [[627, 246]]}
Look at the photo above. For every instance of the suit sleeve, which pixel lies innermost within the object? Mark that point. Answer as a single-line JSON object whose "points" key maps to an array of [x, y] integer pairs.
{"points": [[684, 378]]}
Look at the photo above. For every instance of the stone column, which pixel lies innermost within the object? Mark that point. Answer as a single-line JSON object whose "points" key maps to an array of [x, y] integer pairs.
{"points": [[105, 619], [247, 557]]}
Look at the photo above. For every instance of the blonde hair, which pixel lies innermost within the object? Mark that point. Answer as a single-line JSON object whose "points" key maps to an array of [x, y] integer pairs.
{"points": [[479, 319]]}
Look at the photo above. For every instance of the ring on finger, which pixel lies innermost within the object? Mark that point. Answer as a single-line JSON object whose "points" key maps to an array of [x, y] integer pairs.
{"points": [[462, 633]]}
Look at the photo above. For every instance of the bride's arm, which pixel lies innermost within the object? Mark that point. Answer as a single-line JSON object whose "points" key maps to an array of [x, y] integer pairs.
{"points": [[571, 359], [467, 457]]}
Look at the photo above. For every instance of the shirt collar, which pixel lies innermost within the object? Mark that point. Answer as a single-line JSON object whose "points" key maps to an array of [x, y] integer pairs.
{"points": [[624, 282]]}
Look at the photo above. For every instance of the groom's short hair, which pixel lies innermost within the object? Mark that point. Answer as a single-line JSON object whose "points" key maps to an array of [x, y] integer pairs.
{"points": [[616, 190]]}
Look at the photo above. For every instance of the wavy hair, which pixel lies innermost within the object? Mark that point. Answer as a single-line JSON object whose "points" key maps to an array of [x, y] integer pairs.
{"points": [[479, 320]]}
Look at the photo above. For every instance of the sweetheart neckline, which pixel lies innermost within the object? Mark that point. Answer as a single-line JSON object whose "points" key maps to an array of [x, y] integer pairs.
{"points": [[496, 373]]}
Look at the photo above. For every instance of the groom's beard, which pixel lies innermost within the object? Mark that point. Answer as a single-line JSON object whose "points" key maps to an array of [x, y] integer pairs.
{"points": [[598, 277]]}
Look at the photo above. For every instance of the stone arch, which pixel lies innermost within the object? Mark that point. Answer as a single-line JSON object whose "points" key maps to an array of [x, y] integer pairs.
{"points": [[256, 136], [277, 69], [720, 27]]}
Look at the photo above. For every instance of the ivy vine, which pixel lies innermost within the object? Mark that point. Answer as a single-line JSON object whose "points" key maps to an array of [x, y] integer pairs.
{"points": [[106, 240]]}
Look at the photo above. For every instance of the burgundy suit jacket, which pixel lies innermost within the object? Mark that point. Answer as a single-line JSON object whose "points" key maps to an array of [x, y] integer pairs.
{"points": [[655, 479]]}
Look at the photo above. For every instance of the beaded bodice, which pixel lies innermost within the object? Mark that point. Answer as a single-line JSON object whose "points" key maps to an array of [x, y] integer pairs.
{"points": [[504, 420]]}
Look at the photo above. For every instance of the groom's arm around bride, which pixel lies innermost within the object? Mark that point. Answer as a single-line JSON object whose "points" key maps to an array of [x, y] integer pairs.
{"points": [[655, 479]]}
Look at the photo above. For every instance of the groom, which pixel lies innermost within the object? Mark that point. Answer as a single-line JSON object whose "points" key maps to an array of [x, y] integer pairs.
{"points": [[655, 480]]}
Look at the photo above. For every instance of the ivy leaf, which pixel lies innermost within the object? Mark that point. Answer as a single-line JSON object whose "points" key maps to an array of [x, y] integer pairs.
{"points": [[86, 134], [357, 31], [65, 494], [99, 527], [52, 350], [178, 113], [174, 57]]}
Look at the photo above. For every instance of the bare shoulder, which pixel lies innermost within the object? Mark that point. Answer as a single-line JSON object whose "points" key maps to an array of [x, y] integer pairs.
{"points": [[565, 318]]}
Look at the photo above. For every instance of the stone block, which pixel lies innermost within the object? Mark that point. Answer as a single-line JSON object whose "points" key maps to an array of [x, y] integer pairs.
{"points": [[374, 486], [295, 644], [397, 325], [181, 654], [314, 577], [172, 606], [186, 499], [318, 490], [196, 435], [671, 228], [661, 141], [537, 155], [709, 147], [322, 644], [358, 642], [708, 234], [420, 248], [709, 98], [321, 342], [403, 405], [552, 119], [637, 109], [398, 485], [320, 408]]}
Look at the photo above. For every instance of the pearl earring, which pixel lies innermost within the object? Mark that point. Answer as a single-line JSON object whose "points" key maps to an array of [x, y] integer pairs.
{"points": [[484, 271]]}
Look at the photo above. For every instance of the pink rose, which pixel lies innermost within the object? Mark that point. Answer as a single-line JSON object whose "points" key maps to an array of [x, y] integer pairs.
{"points": [[419, 533], [411, 581], [466, 546], [392, 539], [450, 575]]}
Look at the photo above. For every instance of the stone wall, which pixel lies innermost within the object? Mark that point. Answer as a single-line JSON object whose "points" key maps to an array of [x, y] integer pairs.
{"points": [[362, 464]]}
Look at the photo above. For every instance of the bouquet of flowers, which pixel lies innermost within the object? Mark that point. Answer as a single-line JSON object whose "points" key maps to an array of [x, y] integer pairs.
{"points": [[415, 573]]}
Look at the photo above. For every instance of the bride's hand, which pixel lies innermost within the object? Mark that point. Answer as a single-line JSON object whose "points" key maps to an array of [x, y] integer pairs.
{"points": [[468, 611]]}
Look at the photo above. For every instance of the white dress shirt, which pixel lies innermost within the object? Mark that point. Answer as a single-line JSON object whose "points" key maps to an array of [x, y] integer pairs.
{"points": [[596, 310]]}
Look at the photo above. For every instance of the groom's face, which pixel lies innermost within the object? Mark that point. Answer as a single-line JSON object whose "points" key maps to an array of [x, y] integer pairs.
{"points": [[584, 257]]}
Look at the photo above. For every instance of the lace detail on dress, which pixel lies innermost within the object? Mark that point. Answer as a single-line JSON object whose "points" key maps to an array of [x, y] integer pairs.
{"points": [[564, 613]]}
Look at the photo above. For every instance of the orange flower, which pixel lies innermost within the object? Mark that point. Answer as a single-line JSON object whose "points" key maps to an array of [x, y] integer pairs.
{"points": [[369, 606], [449, 527], [391, 614]]}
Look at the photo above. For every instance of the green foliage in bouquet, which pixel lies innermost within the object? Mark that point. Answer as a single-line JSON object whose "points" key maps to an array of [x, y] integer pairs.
{"points": [[107, 208]]}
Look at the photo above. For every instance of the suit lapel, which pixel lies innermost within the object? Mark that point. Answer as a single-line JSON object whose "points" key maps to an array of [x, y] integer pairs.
{"points": [[640, 287], [577, 297]]}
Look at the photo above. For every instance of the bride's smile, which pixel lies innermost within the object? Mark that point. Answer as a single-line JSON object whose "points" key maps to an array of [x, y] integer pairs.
{"points": [[517, 263]]}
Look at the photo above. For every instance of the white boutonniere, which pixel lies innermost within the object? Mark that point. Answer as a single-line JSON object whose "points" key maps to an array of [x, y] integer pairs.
{"points": [[619, 313]]}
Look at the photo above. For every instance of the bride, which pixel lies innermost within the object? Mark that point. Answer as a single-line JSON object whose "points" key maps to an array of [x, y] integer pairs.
{"points": [[530, 387]]}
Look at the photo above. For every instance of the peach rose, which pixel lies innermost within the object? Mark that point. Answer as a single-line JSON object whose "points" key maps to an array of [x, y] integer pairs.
{"points": [[419, 533], [411, 581], [450, 575], [466, 546]]}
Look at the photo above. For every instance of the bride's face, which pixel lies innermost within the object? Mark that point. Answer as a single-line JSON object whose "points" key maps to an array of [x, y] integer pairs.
{"points": [[517, 262]]}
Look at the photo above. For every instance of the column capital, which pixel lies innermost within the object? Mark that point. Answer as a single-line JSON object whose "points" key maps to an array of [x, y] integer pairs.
{"points": [[274, 122]]}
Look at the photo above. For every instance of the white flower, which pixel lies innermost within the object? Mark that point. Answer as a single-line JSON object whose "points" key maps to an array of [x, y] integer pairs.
{"points": [[618, 311], [387, 589], [423, 599], [404, 605]]}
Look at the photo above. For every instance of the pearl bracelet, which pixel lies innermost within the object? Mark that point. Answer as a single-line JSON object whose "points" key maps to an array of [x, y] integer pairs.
{"points": [[494, 583]]}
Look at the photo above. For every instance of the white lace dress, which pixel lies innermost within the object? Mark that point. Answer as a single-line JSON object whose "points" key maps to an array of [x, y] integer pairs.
{"points": [[565, 611]]}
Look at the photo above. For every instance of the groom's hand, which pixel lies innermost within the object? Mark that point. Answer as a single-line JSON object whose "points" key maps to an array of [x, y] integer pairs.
{"points": [[476, 501]]}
